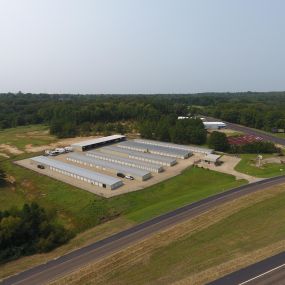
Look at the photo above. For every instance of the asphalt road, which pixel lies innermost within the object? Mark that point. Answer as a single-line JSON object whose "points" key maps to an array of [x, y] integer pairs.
{"points": [[270, 271], [250, 131], [65, 264], [255, 132]]}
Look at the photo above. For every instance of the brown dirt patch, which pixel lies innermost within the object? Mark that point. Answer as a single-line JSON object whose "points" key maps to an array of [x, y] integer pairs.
{"points": [[4, 155], [10, 149]]}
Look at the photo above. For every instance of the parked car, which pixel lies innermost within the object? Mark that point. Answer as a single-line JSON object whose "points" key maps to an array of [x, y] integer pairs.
{"points": [[40, 166], [121, 175], [68, 149], [129, 177]]}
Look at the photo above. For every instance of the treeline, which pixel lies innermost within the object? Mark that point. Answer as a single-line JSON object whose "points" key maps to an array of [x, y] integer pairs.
{"points": [[27, 231], [71, 115], [169, 129], [260, 112], [256, 147]]}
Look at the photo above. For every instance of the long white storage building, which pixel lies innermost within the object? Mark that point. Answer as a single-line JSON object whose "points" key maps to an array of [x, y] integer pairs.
{"points": [[125, 161], [85, 175], [214, 125], [192, 148], [90, 144], [155, 149], [115, 168], [138, 155]]}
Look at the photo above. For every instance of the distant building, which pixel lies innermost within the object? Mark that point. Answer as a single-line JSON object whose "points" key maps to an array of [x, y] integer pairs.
{"points": [[214, 125]]}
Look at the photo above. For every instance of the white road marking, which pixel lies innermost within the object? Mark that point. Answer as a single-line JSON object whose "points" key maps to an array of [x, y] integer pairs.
{"points": [[258, 276]]}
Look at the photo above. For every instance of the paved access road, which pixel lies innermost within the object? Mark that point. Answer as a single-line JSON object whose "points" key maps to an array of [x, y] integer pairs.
{"points": [[250, 131], [64, 265], [265, 136], [270, 271]]}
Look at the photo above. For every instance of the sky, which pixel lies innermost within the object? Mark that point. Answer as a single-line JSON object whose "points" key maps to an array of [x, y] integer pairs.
{"points": [[141, 46]]}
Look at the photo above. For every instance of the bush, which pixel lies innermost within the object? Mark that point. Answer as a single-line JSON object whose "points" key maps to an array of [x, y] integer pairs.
{"points": [[27, 231], [2, 177], [218, 141], [256, 147]]}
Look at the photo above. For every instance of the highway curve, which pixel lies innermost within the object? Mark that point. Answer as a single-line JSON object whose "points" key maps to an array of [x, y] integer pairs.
{"points": [[66, 264], [250, 131], [265, 136]]}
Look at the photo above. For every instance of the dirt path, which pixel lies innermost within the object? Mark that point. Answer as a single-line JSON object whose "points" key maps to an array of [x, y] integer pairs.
{"points": [[10, 149]]}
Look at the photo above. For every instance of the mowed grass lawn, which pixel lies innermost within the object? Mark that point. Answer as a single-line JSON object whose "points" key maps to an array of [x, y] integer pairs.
{"points": [[81, 210], [253, 227], [247, 165], [19, 137]]}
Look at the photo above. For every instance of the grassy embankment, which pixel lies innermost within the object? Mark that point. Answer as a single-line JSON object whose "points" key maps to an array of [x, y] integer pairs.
{"points": [[197, 251], [247, 166]]}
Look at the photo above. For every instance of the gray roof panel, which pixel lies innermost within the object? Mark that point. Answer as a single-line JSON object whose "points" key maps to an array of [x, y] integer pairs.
{"points": [[162, 149], [101, 155], [193, 148], [86, 173], [98, 140], [151, 156], [110, 165]]}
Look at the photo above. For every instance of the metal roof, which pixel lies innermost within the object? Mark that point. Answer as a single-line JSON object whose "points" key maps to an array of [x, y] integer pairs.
{"points": [[111, 165], [101, 155], [86, 173], [212, 157], [214, 123], [156, 148], [152, 156], [176, 146], [99, 140]]}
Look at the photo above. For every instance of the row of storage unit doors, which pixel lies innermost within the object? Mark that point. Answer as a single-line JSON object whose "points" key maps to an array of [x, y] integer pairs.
{"points": [[77, 177], [123, 161]]}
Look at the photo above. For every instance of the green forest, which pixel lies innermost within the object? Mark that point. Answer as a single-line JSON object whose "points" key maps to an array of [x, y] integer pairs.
{"points": [[29, 230], [154, 116]]}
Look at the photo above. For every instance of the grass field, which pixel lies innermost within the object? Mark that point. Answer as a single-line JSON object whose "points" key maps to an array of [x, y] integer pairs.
{"points": [[246, 165], [19, 137], [81, 210], [199, 250]]}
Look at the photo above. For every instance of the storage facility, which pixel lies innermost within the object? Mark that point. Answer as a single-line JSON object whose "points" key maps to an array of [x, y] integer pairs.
{"points": [[115, 168], [91, 144], [161, 150], [214, 125], [141, 156], [195, 149], [125, 161], [85, 175]]}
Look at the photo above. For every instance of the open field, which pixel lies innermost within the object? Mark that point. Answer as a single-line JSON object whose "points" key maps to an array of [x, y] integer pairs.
{"points": [[31, 139], [20, 137], [80, 210], [199, 250], [247, 166]]}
